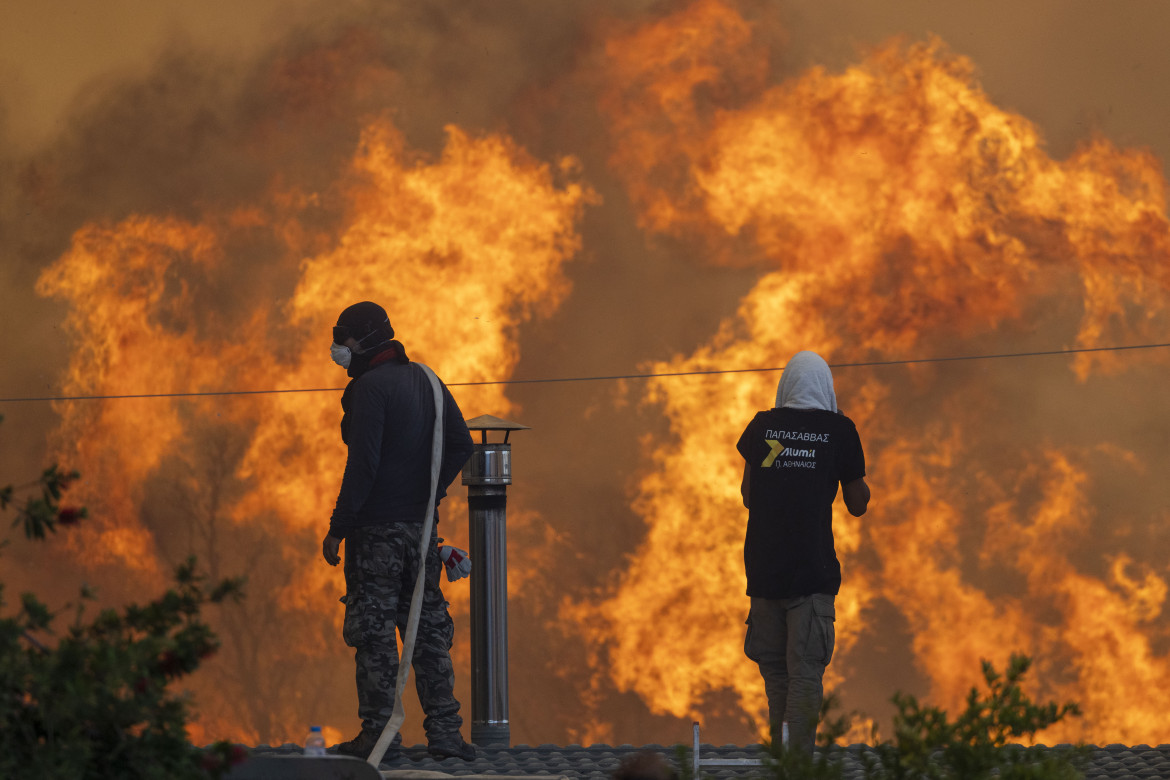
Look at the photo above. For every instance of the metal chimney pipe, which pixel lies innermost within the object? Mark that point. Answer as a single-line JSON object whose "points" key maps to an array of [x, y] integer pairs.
{"points": [[487, 474]]}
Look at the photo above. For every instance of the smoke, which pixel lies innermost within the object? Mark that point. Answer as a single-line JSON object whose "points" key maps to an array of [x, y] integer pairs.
{"points": [[236, 202], [903, 214]]}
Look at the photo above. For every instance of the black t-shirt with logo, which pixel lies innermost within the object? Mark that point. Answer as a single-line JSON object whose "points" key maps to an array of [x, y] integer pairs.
{"points": [[797, 458]]}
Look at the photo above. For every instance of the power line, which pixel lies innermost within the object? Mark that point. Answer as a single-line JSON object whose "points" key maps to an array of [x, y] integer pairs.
{"points": [[608, 377], [174, 395]]}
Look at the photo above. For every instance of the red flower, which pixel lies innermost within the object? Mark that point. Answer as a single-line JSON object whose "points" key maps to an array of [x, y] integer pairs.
{"points": [[238, 755], [70, 515]]}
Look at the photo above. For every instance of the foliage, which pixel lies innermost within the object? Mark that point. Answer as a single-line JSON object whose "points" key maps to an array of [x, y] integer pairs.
{"points": [[94, 703], [981, 743], [42, 513]]}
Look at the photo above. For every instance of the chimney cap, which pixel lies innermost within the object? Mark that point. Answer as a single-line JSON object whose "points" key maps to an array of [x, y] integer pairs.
{"points": [[486, 422]]}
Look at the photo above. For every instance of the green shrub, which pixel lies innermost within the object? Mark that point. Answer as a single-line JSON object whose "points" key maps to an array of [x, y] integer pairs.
{"points": [[982, 742], [94, 702]]}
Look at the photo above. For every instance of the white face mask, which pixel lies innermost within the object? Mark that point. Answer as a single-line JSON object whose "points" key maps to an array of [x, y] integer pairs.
{"points": [[341, 355]]}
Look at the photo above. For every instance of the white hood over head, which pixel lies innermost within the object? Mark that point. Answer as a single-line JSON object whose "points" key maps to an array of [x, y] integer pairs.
{"points": [[807, 383]]}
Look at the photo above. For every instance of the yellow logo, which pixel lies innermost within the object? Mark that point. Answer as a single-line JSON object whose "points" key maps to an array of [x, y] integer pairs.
{"points": [[777, 449]]}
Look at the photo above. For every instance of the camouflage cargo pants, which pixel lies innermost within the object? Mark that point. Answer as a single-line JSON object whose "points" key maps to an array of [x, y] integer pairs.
{"points": [[381, 564]]}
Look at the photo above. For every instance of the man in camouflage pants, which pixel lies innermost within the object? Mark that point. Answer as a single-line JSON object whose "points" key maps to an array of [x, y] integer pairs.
{"points": [[388, 423]]}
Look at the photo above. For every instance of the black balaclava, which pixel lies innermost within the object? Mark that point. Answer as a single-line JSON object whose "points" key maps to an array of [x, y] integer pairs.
{"points": [[364, 319], [368, 323]]}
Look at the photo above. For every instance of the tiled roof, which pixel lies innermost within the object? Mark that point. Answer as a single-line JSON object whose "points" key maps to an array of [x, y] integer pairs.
{"points": [[1113, 762]]}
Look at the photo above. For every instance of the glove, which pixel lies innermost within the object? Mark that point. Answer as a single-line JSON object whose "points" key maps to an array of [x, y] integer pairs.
{"points": [[455, 561]]}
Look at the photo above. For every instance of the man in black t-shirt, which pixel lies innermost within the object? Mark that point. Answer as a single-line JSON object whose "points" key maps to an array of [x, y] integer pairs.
{"points": [[795, 456]]}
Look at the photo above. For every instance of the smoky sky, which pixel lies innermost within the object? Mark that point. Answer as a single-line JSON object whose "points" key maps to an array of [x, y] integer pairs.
{"points": [[141, 107]]}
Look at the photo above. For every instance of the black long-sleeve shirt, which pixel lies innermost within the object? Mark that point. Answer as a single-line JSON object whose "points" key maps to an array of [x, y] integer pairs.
{"points": [[390, 414]]}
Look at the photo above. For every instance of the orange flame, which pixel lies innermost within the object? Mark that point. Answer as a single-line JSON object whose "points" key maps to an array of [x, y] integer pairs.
{"points": [[460, 251], [135, 309], [897, 211], [893, 211]]}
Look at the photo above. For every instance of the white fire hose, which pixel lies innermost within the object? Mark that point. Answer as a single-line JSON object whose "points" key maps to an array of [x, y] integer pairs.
{"points": [[399, 715]]}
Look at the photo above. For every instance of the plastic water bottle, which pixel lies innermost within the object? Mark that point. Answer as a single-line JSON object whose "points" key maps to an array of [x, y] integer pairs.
{"points": [[315, 742]]}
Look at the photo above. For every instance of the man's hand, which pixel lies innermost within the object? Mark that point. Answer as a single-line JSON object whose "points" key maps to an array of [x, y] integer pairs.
{"points": [[329, 547]]}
